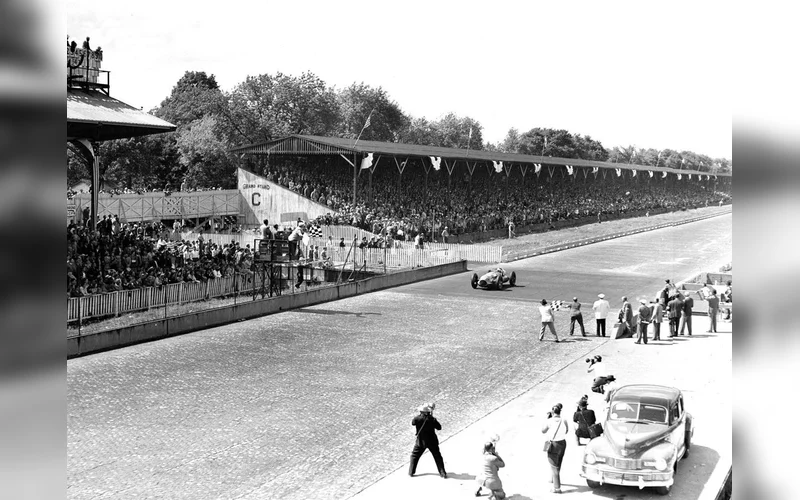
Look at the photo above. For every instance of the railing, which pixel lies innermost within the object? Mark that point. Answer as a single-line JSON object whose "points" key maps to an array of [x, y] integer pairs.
{"points": [[141, 299], [244, 284]]}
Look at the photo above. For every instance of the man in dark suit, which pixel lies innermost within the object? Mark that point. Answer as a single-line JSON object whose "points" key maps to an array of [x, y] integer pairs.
{"points": [[626, 316], [686, 314], [674, 311], [426, 425]]}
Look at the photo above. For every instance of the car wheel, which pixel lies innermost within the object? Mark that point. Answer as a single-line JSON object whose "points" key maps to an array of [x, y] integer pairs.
{"points": [[664, 490], [687, 442], [513, 279], [474, 280], [499, 283], [592, 484]]}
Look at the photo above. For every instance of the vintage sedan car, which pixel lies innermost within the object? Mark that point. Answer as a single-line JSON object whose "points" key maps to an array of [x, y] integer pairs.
{"points": [[494, 279], [647, 431]]}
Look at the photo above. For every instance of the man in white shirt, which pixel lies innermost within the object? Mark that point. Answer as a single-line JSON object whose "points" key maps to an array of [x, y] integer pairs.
{"points": [[600, 373], [601, 308], [547, 320]]}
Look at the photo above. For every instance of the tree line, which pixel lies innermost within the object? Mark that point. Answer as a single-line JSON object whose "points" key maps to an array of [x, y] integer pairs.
{"points": [[211, 121]]}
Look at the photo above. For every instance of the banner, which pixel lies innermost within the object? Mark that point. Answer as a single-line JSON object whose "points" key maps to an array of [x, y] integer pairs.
{"points": [[367, 161], [436, 161]]}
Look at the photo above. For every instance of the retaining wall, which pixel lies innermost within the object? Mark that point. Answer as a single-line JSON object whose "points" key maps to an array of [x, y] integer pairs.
{"points": [[178, 325]]}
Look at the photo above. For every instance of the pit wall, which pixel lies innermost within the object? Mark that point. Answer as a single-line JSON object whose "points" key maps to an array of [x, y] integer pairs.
{"points": [[199, 320]]}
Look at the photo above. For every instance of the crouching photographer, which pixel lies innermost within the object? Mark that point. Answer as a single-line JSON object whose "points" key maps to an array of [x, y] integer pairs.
{"points": [[600, 371], [587, 426]]}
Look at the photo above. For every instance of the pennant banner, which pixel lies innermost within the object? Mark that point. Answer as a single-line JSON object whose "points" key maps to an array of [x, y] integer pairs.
{"points": [[595, 170], [367, 161], [663, 175], [436, 161], [650, 172], [498, 166], [690, 176], [633, 173], [570, 169], [680, 176], [619, 172]]}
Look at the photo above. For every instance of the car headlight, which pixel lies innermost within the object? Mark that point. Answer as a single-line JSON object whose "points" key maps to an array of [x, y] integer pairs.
{"points": [[661, 464], [590, 458]]}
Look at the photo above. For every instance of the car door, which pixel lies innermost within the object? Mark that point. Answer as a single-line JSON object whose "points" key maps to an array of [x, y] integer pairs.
{"points": [[678, 427]]}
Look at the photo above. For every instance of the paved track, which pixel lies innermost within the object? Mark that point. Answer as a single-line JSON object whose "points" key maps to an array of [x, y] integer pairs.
{"points": [[316, 403]]}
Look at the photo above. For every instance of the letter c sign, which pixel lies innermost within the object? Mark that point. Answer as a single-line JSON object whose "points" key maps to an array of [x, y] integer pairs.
{"points": [[256, 199]]}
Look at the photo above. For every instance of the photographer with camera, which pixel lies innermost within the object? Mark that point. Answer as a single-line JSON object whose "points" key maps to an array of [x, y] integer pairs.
{"points": [[600, 371], [426, 425], [556, 428], [488, 477], [586, 421]]}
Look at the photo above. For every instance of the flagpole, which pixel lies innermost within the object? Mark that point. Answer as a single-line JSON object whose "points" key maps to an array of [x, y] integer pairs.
{"points": [[366, 124]]}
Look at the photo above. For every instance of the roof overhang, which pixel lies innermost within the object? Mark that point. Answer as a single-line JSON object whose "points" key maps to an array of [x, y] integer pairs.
{"points": [[92, 114], [300, 145]]}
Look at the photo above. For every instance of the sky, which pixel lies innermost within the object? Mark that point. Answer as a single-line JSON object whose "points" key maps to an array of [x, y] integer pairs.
{"points": [[647, 74]]}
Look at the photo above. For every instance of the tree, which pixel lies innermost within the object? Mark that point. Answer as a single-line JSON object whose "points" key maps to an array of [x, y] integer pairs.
{"points": [[453, 131], [266, 107], [204, 156], [512, 142], [194, 96], [355, 104], [419, 131]]}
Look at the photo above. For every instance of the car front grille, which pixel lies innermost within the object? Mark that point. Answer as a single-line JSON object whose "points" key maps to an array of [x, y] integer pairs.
{"points": [[624, 463]]}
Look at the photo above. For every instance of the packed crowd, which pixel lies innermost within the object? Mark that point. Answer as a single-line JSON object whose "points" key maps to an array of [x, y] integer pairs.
{"points": [[129, 256], [482, 203]]}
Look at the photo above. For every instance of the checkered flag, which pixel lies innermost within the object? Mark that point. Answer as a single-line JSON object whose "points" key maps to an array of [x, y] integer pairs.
{"points": [[315, 231], [558, 305]]}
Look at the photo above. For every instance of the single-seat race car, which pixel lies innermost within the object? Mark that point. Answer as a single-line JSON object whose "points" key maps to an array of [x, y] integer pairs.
{"points": [[494, 278]]}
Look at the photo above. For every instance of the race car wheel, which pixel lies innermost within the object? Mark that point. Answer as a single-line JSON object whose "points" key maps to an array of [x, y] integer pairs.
{"points": [[513, 279], [474, 280], [499, 283], [592, 484]]}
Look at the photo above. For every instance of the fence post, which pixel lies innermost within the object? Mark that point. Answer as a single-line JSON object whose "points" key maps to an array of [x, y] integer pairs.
{"points": [[180, 293], [148, 292], [116, 304]]}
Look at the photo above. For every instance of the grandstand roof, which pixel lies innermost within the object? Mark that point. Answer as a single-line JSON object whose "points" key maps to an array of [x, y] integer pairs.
{"points": [[91, 114], [318, 145]]}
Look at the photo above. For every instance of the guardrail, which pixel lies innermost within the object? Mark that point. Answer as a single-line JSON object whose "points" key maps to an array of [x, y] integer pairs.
{"points": [[175, 294]]}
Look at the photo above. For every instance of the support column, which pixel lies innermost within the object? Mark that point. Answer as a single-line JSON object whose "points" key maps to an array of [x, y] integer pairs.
{"points": [[88, 151]]}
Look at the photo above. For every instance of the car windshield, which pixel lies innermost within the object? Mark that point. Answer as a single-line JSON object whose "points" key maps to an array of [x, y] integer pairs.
{"points": [[637, 412]]}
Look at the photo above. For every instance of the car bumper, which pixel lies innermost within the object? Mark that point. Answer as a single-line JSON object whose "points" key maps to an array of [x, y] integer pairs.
{"points": [[639, 478]]}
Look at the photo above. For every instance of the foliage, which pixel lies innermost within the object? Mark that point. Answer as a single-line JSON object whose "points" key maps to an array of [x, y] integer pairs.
{"points": [[357, 101]]}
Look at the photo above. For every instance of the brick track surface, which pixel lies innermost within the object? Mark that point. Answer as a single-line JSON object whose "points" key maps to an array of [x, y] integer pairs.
{"points": [[317, 403]]}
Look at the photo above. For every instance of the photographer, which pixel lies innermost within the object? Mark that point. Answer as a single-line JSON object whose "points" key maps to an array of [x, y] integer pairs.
{"points": [[556, 429], [426, 425], [585, 419], [488, 477], [600, 373]]}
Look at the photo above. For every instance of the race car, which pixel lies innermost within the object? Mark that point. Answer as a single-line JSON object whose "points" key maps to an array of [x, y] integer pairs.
{"points": [[494, 278]]}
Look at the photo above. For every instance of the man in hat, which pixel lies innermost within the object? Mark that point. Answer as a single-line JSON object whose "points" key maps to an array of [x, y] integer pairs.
{"points": [[644, 321], [686, 315], [626, 316], [674, 311], [601, 308], [426, 425], [657, 318], [575, 316]]}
